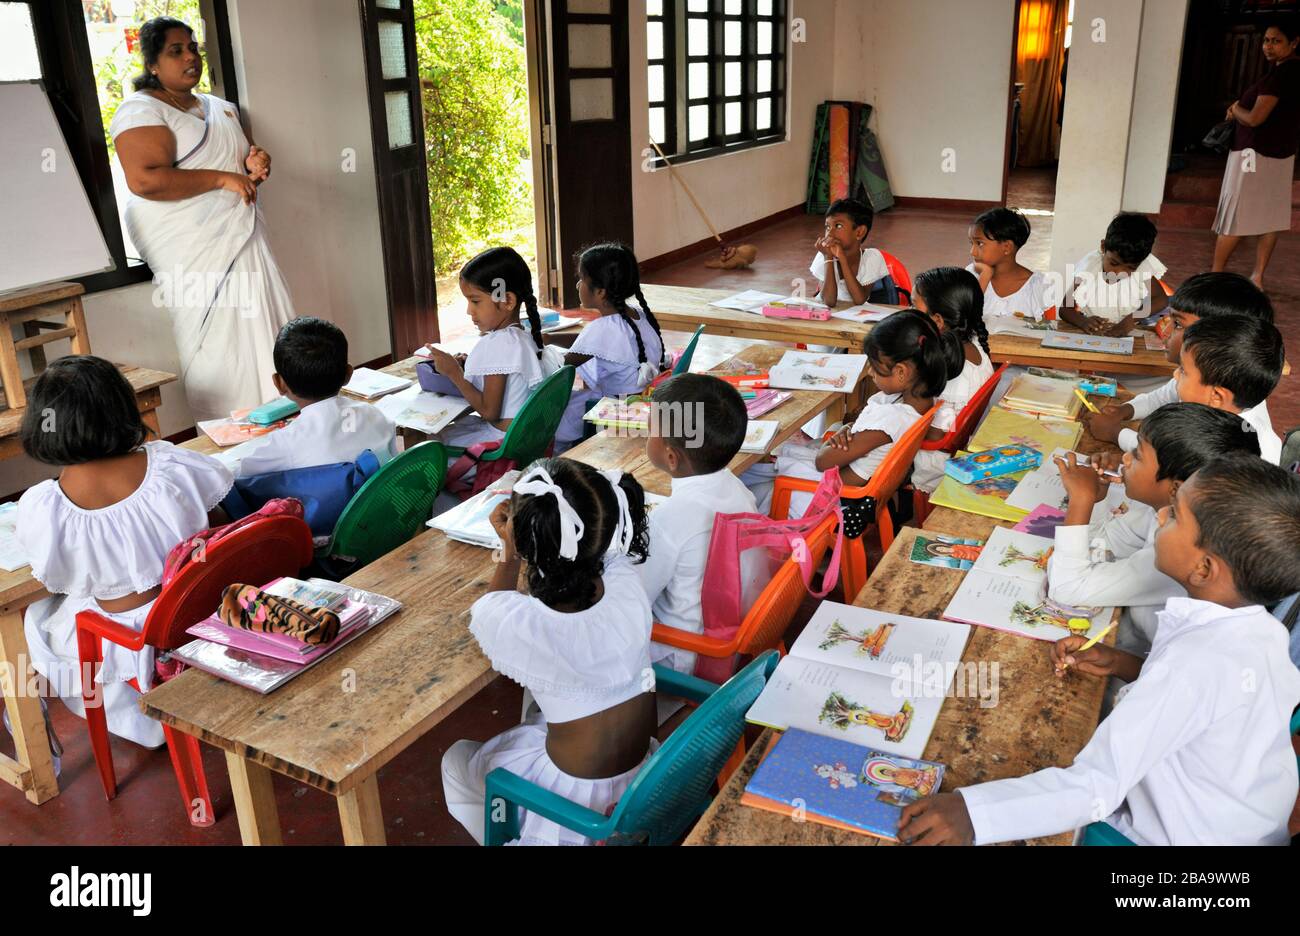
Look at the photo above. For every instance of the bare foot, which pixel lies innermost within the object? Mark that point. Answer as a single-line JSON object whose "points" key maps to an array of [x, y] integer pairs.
{"points": [[1258, 280]]}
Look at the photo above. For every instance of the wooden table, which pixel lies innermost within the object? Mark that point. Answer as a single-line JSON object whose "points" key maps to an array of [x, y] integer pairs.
{"points": [[1021, 349], [33, 771]]}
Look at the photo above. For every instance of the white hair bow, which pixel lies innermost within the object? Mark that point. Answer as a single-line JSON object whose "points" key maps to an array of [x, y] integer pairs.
{"points": [[538, 482], [621, 541]]}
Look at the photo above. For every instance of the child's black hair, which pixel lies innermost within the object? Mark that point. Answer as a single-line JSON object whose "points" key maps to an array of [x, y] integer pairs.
{"points": [[1003, 224], [857, 210], [954, 295], [613, 268], [153, 36], [81, 409], [311, 355], [909, 335], [1243, 355], [1208, 295], [1130, 236], [1288, 24], [501, 268], [536, 521], [1248, 511], [1187, 436], [719, 419]]}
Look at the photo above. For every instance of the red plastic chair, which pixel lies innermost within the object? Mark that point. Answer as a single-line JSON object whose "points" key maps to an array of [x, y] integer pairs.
{"points": [[957, 436], [898, 273], [883, 484], [257, 553]]}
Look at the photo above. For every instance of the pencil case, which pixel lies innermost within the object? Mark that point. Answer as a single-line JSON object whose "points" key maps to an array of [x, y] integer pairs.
{"points": [[751, 380], [1101, 386], [274, 411], [797, 312], [433, 381], [246, 607], [1004, 460]]}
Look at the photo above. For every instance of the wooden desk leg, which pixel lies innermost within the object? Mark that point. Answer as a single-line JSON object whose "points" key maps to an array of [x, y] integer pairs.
{"points": [[36, 764], [363, 821], [259, 821], [150, 418]]}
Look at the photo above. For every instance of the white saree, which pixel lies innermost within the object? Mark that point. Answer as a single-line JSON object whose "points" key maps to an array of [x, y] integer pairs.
{"points": [[213, 267]]}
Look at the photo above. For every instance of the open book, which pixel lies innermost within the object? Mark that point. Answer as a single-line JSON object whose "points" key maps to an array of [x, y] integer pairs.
{"points": [[369, 384], [751, 300], [868, 677], [866, 312], [1097, 344], [421, 410], [1007, 590], [808, 370]]}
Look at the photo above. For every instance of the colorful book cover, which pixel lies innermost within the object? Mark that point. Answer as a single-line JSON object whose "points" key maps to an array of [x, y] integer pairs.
{"points": [[987, 497], [839, 783], [1042, 521], [618, 413], [946, 552]]}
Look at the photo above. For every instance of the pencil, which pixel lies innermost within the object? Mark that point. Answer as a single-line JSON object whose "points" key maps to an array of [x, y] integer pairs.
{"points": [[1080, 395], [1093, 641]]}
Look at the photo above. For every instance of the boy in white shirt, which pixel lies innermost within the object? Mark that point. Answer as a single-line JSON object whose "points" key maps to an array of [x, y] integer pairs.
{"points": [[1198, 752], [856, 267], [698, 425], [1112, 284], [311, 366]]}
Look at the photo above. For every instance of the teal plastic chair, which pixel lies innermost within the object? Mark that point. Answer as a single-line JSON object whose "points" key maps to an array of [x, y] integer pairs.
{"points": [[683, 365], [389, 509], [671, 790]]}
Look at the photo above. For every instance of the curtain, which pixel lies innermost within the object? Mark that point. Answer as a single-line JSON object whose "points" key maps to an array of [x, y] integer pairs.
{"points": [[1040, 46]]}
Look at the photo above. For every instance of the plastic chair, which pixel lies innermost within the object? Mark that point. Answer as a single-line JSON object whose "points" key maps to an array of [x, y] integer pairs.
{"points": [[1103, 833], [881, 487], [957, 436], [389, 509], [671, 790], [898, 273], [683, 362], [261, 551]]}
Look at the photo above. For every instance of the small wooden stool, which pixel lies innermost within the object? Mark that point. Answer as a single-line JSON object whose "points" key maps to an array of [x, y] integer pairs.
{"points": [[33, 309]]}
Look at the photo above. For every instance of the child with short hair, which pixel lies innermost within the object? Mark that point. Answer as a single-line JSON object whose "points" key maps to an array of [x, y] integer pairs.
{"points": [[1205, 295], [842, 247], [1195, 753], [578, 639], [620, 352], [311, 367], [1113, 283], [694, 449], [1011, 291], [97, 536]]}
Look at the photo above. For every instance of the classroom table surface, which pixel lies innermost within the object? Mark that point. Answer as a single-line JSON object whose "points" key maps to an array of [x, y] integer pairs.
{"points": [[1022, 349]]}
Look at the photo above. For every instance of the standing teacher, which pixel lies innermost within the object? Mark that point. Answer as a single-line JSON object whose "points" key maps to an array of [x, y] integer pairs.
{"points": [[193, 214], [1256, 193]]}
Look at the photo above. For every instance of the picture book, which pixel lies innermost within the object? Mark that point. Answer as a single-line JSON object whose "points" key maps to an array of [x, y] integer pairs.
{"points": [[12, 557], [866, 676], [1018, 324], [470, 520], [620, 413], [986, 497], [421, 410], [751, 300], [371, 384], [866, 312], [840, 784], [765, 401], [1043, 486], [1004, 427], [1006, 589], [946, 552], [280, 646], [236, 428], [1095, 344], [806, 370], [1042, 521], [759, 435], [1042, 396]]}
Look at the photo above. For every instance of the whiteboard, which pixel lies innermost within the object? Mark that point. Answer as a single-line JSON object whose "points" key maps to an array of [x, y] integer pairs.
{"points": [[48, 231]]}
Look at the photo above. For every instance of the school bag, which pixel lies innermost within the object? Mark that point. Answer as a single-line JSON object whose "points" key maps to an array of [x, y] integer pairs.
{"points": [[323, 490], [722, 604]]}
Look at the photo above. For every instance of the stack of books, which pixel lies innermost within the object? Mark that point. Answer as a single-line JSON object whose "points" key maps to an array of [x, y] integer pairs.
{"points": [[371, 384], [1043, 396]]}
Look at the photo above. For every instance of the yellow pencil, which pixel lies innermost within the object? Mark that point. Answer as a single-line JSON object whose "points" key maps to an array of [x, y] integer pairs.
{"points": [[1079, 394], [1093, 641]]}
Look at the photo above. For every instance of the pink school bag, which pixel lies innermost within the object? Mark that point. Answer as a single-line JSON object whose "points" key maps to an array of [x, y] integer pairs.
{"points": [[722, 602]]}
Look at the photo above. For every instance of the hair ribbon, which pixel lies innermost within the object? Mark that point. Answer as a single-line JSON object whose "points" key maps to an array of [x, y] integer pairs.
{"points": [[621, 541], [538, 482]]}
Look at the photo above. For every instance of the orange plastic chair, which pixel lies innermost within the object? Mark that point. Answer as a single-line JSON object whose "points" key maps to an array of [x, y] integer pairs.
{"points": [[898, 273], [882, 486], [257, 553], [1166, 287], [957, 436]]}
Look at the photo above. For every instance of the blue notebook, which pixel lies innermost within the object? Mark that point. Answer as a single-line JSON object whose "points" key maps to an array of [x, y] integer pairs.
{"points": [[840, 784]]}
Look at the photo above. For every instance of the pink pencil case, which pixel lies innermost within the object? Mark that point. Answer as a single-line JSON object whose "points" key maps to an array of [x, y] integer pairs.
{"points": [[797, 312]]}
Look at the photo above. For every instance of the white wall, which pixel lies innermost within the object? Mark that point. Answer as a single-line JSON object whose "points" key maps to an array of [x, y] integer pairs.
{"points": [[1160, 49]]}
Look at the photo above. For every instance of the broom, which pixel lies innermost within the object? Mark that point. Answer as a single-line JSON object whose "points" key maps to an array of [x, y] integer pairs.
{"points": [[730, 258]]}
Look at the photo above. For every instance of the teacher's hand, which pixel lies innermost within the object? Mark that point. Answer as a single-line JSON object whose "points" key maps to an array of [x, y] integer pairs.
{"points": [[258, 164], [241, 185], [1230, 115]]}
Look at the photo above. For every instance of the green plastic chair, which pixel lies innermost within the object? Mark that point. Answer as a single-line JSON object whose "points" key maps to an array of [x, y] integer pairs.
{"points": [[683, 365], [390, 508], [671, 790]]}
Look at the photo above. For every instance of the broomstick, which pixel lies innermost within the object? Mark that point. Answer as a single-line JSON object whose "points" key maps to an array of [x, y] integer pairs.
{"points": [[730, 258]]}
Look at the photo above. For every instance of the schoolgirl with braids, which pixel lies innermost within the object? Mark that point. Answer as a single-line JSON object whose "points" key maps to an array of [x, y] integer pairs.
{"points": [[623, 350], [507, 362], [952, 298], [578, 638]]}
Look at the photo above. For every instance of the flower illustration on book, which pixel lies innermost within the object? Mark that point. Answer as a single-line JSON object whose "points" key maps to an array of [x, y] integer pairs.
{"points": [[837, 774], [870, 642], [842, 713], [1037, 559]]}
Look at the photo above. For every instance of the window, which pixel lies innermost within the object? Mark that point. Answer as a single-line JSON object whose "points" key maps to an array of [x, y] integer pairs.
{"points": [[716, 74], [86, 53]]}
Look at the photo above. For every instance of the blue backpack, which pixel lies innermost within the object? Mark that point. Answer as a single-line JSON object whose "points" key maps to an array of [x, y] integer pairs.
{"points": [[323, 489]]}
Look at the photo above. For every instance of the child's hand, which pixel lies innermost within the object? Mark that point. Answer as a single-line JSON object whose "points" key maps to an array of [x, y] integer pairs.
{"points": [[1082, 482], [1095, 326], [841, 439], [1097, 660], [1120, 328], [1105, 426], [501, 520], [444, 363], [1109, 461], [936, 820]]}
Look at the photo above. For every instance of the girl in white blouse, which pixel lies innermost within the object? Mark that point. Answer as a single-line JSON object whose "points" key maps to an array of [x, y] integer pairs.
{"points": [[623, 350], [98, 534], [507, 362], [1015, 297], [578, 640]]}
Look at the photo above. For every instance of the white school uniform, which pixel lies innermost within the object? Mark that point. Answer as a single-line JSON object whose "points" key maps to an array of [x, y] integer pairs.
{"points": [[575, 665], [1115, 301], [510, 351], [336, 429], [871, 269], [82, 555], [1144, 404], [1193, 754], [927, 468], [1029, 302], [681, 529], [614, 369]]}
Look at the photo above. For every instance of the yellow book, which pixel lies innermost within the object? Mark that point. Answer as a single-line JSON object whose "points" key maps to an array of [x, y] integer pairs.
{"points": [[986, 497]]}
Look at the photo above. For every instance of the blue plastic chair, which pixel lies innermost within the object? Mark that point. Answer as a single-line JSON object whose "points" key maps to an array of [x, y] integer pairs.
{"points": [[671, 790]]}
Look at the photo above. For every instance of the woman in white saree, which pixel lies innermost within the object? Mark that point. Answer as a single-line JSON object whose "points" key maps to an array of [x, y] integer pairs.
{"points": [[193, 214]]}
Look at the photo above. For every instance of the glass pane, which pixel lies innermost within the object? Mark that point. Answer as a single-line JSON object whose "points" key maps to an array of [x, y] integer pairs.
{"points": [[657, 131], [654, 41], [389, 4], [731, 38], [764, 7], [697, 6], [697, 81], [765, 76], [18, 58], [697, 36], [732, 86], [589, 46], [764, 119], [697, 122], [397, 108], [655, 81], [591, 98], [764, 38], [734, 7], [588, 6], [392, 50], [733, 118], [654, 7]]}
